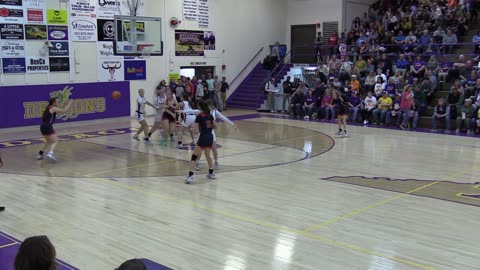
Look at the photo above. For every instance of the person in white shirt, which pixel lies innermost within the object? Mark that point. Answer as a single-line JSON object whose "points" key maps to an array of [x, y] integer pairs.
{"points": [[159, 103], [370, 104], [140, 112], [200, 91], [380, 74], [187, 119], [272, 90]]}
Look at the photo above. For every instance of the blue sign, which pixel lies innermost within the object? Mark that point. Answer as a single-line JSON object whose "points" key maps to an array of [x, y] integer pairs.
{"points": [[135, 70], [59, 48], [14, 65]]}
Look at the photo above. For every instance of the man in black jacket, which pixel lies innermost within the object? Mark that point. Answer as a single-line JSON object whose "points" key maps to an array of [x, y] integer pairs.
{"points": [[287, 92], [296, 103]]}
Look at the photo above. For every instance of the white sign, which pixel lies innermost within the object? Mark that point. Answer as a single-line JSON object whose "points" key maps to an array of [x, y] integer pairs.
{"points": [[109, 67], [35, 11], [107, 9], [190, 10], [13, 49], [83, 29], [37, 64], [82, 9], [35, 4], [203, 14], [12, 14]]}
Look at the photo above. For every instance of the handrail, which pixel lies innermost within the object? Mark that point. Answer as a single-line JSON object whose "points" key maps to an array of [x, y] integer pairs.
{"points": [[244, 68]]}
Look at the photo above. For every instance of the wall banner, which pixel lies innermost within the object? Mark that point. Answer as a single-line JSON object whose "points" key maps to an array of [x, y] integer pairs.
{"points": [[57, 32], [13, 48], [11, 31], [135, 70], [59, 64], [38, 64], [13, 65], [60, 48], [189, 43], [57, 16]]}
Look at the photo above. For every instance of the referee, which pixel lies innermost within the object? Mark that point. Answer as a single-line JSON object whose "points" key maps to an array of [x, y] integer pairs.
{"points": [[1, 164]]}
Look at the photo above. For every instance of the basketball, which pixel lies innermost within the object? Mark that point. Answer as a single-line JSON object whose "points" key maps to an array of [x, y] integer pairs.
{"points": [[116, 95]]}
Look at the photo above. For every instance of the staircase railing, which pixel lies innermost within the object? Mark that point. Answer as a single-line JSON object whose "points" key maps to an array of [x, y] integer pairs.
{"points": [[232, 83]]}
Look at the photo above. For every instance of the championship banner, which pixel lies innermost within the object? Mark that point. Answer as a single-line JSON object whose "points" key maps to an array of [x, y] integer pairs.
{"points": [[107, 9], [106, 30], [57, 32], [135, 70], [11, 31], [37, 64], [13, 65], [10, 14], [209, 40], [90, 101], [35, 32], [59, 64], [57, 16], [109, 66], [35, 11], [60, 48], [189, 43], [13, 48]]}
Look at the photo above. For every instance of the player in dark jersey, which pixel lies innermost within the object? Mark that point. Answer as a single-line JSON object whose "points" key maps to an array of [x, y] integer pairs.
{"points": [[341, 107], [206, 124], [48, 117]]}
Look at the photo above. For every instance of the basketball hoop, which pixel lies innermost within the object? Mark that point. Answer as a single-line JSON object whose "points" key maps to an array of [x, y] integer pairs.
{"points": [[145, 50]]}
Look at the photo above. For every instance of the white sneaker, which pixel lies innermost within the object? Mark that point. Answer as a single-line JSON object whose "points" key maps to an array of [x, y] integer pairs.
{"points": [[189, 179], [339, 133], [135, 137], [147, 141], [197, 167], [51, 157], [217, 166], [212, 176], [39, 157], [179, 146], [345, 134], [365, 122]]}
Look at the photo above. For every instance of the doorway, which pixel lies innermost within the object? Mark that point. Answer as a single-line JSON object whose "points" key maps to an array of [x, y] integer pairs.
{"points": [[303, 43], [200, 72]]}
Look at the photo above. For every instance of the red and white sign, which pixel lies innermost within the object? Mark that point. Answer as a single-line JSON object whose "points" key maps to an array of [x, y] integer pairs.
{"points": [[35, 16]]}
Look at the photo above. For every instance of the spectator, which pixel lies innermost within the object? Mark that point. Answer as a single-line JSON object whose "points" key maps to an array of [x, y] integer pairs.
{"points": [[395, 110], [217, 85], [443, 69], [36, 253], [332, 43], [271, 91], [466, 115], [402, 65], [379, 87], [223, 90], [287, 92], [334, 64], [355, 84], [384, 106], [361, 64], [380, 74], [391, 88], [418, 67], [419, 100], [476, 43], [448, 42], [441, 112], [406, 105], [296, 103], [309, 105], [429, 90], [424, 41], [370, 105], [370, 81], [210, 88], [326, 107], [200, 93], [134, 264], [355, 103], [455, 100]]}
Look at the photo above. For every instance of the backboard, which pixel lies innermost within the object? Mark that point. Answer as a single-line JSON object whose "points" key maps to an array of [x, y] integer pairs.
{"points": [[138, 36]]}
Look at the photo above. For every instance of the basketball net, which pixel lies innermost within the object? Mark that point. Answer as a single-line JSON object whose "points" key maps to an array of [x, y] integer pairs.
{"points": [[133, 6]]}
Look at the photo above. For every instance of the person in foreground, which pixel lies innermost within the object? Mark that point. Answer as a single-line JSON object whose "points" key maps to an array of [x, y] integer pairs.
{"points": [[134, 264], [206, 124], [2, 208], [48, 117], [36, 253]]}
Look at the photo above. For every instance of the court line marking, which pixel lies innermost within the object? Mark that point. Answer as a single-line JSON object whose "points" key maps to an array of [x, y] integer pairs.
{"points": [[385, 201], [9, 245], [324, 240]]}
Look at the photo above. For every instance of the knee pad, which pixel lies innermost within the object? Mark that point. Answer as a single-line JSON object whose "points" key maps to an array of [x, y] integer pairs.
{"points": [[194, 157]]}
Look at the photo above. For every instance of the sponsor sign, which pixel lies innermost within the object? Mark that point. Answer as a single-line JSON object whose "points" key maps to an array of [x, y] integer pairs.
{"points": [[57, 32], [36, 31], [13, 65], [37, 64], [109, 66], [10, 14], [60, 48], [11, 31], [83, 30], [84, 9], [11, 2], [35, 4], [135, 70], [106, 30], [13, 49], [57, 16], [35, 16], [90, 101], [107, 9], [59, 64]]}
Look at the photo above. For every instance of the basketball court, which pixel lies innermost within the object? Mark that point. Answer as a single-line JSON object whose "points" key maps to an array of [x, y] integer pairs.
{"points": [[288, 195]]}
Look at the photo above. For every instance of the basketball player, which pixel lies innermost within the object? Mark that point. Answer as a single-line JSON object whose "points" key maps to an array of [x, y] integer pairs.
{"points": [[341, 106], [141, 101], [187, 119], [48, 117], [168, 118], [159, 103], [206, 124]]}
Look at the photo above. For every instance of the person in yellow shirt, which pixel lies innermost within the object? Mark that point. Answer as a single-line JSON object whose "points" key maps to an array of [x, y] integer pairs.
{"points": [[355, 84], [384, 106]]}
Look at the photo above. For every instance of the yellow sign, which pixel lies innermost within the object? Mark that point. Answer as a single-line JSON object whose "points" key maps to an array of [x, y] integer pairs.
{"points": [[57, 16], [173, 75]]}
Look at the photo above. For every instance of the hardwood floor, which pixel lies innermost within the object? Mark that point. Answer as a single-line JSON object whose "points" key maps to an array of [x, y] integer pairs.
{"points": [[289, 195]]}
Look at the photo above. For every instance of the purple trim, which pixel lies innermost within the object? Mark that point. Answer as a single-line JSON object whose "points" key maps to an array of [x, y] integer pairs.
{"points": [[330, 179]]}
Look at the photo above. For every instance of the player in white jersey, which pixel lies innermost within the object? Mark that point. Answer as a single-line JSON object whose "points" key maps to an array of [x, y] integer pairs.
{"points": [[141, 102], [187, 120], [159, 103]]}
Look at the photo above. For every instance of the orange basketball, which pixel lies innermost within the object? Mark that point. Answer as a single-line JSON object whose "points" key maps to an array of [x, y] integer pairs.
{"points": [[116, 95]]}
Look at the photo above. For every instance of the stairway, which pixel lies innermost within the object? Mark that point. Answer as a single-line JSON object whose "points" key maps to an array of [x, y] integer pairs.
{"points": [[249, 94]]}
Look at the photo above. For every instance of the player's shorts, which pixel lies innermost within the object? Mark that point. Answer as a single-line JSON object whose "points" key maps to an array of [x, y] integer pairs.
{"points": [[188, 121], [205, 140], [159, 116], [169, 117], [47, 130], [140, 117]]}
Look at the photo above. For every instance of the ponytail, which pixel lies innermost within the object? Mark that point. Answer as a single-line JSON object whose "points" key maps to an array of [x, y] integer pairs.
{"points": [[47, 109]]}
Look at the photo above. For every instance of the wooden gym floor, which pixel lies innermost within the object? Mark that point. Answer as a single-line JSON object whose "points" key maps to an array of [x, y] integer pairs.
{"points": [[289, 195]]}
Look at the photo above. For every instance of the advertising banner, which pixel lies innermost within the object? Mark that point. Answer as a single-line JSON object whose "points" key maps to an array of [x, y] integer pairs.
{"points": [[13, 48], [82, 9], [35, 4], [59, 64], [109, 67], [107, 9], [35, 16], [36, 32], [37, 64], [57, 16], [9, 14], [11, 2], [60, 48], [83, 29], [189, 43], [135, 70], [11, 31], [90, 101], [13, 65], [106, 30], [57, 32]]}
